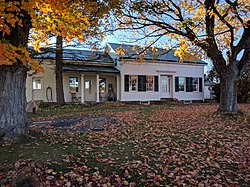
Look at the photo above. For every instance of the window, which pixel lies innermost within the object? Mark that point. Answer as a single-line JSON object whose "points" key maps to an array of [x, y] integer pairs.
{"points": [[102, 85], [88, 85], [132, 82], [181, 84], [37, 84], [73, 84], [140, 83], [195, 84], [149, 83]]}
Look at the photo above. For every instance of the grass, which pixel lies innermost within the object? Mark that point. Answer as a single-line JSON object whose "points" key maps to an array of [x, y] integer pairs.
{"points": [[158, 145]]}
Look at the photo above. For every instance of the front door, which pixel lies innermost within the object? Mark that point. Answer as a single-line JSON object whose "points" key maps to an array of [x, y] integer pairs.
{"points": [[89, 94], [166, 88]]}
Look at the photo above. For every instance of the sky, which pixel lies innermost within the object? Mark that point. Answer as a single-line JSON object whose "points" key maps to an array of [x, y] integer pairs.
{"points": [[116, 38]]}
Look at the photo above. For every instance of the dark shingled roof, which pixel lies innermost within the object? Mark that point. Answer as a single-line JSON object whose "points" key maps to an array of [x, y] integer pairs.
{"points": [[75, 55], [88, 68], [159, 54]]}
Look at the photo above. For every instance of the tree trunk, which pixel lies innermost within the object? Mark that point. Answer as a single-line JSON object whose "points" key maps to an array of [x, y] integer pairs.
{"points": [[12, 102], [228, 96], [59, 76]]}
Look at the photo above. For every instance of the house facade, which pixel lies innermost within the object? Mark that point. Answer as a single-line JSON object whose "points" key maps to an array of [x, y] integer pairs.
{"points": [[96, 76]]}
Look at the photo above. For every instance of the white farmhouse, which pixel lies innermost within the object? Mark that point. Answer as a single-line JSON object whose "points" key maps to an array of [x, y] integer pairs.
{"points": [[96, 76]]}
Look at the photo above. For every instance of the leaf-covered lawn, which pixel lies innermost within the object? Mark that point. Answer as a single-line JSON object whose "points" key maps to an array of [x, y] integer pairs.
{"points": [[156, 145]]}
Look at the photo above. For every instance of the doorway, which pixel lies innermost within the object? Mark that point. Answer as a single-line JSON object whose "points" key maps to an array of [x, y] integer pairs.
{"points": [[166, 86]]}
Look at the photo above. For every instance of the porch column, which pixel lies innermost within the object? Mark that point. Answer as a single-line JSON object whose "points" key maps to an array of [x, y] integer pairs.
{"points": [[82, 88], [159, 86], [173, 86], [118, 87], [97, 88]]}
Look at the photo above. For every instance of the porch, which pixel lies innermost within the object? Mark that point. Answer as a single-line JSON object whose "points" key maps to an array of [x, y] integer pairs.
{"points": [[99, 86]]}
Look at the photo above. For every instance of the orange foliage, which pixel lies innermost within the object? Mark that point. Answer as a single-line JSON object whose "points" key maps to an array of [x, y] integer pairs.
{"points": [[66, 18]]}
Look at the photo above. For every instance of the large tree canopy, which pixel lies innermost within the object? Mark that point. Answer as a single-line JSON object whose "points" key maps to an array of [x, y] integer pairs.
{"points": [[38, 19], [65, 18], [217, 29]]}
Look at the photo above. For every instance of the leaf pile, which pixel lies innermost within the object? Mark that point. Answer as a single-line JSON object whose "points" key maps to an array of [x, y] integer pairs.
{"points": [[159, 145]]}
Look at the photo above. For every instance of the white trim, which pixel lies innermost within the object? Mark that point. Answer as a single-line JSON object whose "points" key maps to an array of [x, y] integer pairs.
{"points": [[97, 88], [118, 87], [151, 62], [82, 88]]}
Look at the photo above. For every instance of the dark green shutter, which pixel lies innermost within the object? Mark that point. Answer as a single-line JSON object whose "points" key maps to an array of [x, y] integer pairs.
{"points": [[126, 83], [200, 84], [176, 84], [189, 84], [141, 83], [156, 84]]}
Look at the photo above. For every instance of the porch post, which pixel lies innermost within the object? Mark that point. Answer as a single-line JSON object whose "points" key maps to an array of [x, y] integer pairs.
{"points": [[118, 87], [173, 86], [97, 88], [82, 88], [159, 86]]}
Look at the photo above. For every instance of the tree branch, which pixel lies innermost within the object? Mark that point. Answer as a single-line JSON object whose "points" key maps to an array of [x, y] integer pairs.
{"points": [[213, 51]]}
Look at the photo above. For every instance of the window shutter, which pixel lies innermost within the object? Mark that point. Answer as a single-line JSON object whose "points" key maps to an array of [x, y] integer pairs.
{"points": [[176, 84], [189, 84], [156, 83], [141, 83], [126, 83], [200, 84]]}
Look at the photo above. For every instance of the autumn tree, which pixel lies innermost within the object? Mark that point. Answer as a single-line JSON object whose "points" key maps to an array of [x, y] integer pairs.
{"points": [[38, 18], [219, 30]]}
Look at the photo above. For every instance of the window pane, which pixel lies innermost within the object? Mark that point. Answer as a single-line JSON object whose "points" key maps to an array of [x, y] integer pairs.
{"points": [[195, 84], [149, 83], [132, 82], [181, 84]]}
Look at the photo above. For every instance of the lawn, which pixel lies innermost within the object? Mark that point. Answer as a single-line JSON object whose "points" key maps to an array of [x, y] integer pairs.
{"points": [[151, 145]]}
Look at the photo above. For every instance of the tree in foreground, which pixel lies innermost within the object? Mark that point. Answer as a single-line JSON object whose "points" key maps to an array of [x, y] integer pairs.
{"points": [[219, 30], [38, 18]]}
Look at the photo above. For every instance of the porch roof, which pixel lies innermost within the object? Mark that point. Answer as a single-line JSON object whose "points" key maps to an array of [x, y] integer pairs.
{"points": [[99, 69]]}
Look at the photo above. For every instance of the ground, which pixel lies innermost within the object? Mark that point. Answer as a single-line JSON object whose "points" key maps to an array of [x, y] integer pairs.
{"points": [[130, 145]]}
